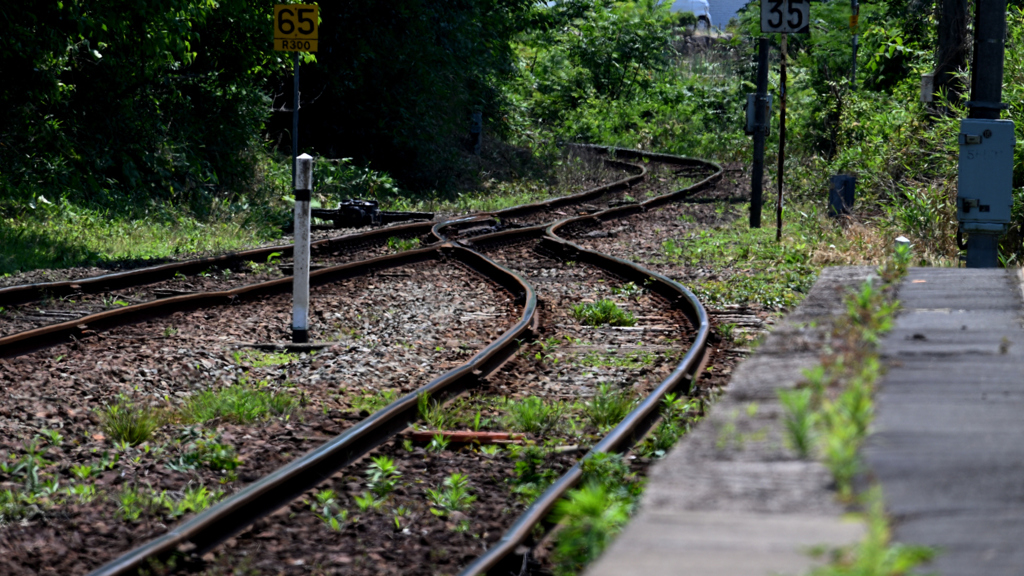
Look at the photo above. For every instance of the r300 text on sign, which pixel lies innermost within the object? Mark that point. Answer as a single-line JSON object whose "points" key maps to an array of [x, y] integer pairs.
{"points": [[296, 27]]}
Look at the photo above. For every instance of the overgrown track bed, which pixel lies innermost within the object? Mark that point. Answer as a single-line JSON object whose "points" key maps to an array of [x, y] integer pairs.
{"points": [[62, 301], [230, 415], [579, 380], [562, 394], [28, 306]]}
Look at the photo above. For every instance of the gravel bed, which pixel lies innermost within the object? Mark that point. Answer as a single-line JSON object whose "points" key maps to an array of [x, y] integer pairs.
{"points": [[390, 333], [570, 362]]}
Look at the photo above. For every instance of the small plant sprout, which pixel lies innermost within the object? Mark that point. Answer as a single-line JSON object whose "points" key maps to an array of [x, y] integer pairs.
{"points": [[490, 450], [628, 290], [81, 471], [170, 331], [452, 496], [382, 476], [53, 437], [327, 510], [438, 443], [368, 502]]}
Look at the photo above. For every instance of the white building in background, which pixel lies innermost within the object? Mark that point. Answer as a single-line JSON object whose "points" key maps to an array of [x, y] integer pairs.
{"points": [[717, 12]]}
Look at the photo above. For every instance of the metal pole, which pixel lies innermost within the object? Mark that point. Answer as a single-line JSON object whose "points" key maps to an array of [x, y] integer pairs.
{"points": [[952, 52], [300, 275], [854, 21], [986, 103], [295, 122], [782, 140], [760, 129]]}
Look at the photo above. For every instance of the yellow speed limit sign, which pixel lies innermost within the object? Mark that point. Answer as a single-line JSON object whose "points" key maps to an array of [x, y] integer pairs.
{"points": [[296, 27]]}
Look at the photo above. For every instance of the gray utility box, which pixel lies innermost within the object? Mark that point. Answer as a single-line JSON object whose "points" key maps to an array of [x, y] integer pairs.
{"points": [[985, 187], [751, 126]]}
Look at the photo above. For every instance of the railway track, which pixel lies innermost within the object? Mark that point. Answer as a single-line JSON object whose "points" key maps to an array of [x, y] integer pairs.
{"points": [[522, 259]]}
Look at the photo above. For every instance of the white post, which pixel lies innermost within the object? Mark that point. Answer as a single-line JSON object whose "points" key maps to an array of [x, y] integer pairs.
{"points": [[300, 290]]}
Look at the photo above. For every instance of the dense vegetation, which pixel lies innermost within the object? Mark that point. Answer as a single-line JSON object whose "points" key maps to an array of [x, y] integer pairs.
{"points": [[151, 129]]}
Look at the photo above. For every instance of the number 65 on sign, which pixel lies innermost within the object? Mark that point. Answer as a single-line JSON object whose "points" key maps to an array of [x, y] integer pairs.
{"points": [[296, 27], [792, 16]]}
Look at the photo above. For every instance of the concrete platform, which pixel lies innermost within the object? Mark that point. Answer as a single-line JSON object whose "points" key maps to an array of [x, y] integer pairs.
{"points": [[947, 445]]}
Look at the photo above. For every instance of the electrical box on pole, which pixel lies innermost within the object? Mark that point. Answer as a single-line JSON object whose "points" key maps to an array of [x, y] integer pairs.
{"points": [[984, 196], [985, 175], [757, 121]]}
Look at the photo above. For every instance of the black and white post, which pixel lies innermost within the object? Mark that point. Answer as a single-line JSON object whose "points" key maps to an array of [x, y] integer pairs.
{"points": [[300, 289]]}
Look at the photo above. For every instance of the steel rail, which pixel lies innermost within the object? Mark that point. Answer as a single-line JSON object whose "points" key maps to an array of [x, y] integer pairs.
{"points": [[500, 557], [25, 293], [230, 516], [632, 428]]}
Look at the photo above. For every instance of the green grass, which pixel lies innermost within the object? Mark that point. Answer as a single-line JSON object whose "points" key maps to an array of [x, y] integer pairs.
{"points": [[608, 407], [751, 267], [65, 235], [396, 244], [240, 403], [261, 359], [632, 360], [126, 421], [533, 415], [602, 312]]}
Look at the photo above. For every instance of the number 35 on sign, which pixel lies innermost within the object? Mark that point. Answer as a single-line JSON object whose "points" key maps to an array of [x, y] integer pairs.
{"points": [[792, 16], [296, 27]]}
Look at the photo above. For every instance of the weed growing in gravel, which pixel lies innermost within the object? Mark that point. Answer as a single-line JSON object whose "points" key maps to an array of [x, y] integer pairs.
{"points": [[533, 415], [438, 443], [608, 407], [193, 499], [328, 511], [677, 415], [382, 476], [129, 422], [592, 515], [81, 471], [370, 403], [632, 360], [628, 290], [368, 502], [750, 265], [261, 359], [53, 437], [204, 449], [435, 414], [452, 496], [531, 478], [397, 244], [602, 312], [241, 403]]}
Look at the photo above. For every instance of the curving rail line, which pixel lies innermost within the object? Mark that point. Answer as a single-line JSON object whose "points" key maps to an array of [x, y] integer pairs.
{"points": [[233, 514]]}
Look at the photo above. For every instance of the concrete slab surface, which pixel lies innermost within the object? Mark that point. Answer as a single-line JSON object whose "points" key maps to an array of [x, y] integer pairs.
{"points": [[947, 443]]}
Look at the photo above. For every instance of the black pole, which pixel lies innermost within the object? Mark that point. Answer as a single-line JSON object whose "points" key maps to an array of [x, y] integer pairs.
{"points": [[986, 103], [782, 140], [952, 52], [854, 23], [987, 69], [295, 120], [760, 130]]}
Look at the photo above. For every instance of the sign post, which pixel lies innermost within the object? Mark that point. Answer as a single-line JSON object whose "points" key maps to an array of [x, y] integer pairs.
{"points": [[785, 17], [296, 29]]}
